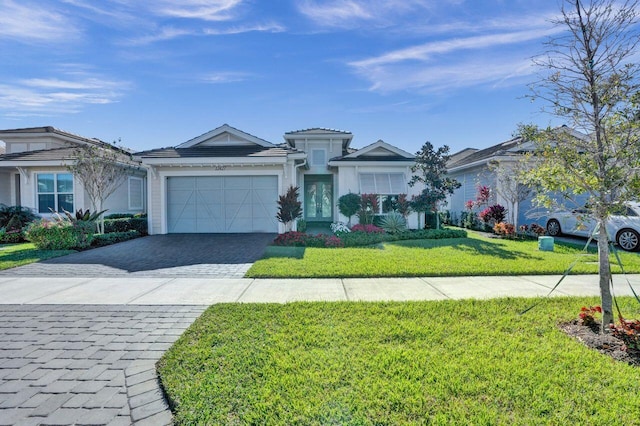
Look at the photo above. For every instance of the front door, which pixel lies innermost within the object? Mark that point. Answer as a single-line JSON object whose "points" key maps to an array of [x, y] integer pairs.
{"points": [[318, 198]]}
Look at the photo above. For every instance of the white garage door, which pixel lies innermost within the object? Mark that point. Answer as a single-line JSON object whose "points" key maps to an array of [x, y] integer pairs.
{"points": [[222, 204]]}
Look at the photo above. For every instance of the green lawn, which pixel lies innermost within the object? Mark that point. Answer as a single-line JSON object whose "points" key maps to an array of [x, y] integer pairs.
{"points": [[415, 363], [475, 255], [12, 255]]}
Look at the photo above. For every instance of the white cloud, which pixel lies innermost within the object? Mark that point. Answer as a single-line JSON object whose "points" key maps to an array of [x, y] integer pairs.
{"points": [[424, 51], [355, 13], [207, 10], [226, 77], [67, 93], [34, 23]]}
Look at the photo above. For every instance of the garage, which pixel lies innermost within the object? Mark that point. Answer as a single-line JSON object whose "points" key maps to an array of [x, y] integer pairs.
{"points": [[222, 204]]}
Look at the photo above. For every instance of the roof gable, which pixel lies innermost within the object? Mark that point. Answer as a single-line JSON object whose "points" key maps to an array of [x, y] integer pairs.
{"points": [[381, 150], [225, 135]]}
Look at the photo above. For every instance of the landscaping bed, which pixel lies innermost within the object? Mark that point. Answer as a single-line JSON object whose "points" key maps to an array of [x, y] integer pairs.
{"points": [[440, 362], [474, 255]]}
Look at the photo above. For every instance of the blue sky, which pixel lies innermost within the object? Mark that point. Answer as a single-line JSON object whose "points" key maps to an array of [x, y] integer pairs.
{"points": [[158, 73]]}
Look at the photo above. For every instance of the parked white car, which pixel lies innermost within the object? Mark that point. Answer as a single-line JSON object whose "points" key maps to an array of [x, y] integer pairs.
{"points": [[623, 229]]}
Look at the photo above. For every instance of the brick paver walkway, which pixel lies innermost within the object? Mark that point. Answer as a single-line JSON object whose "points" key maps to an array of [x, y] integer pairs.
{"points": [[173, 255], [86, 364]]}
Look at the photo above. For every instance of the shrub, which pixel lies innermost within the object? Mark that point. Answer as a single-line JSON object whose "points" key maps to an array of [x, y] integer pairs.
{"points": [[289, 207], [11, 236], [369, 206], [505, 229], [495, 213], [537, 229], [300, 239], [302, 225], [118, 216], [126, 224], [101, 240], [393, 223], [18, 216], [348, 205], [368, 228], [469, 220], [60, 234], [629, 332], [403, 205], [587, 316], [340, 228]]}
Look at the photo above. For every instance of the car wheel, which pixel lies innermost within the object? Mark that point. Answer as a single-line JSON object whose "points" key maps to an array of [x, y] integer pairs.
{"points": [[553, 228], [628, 240]]}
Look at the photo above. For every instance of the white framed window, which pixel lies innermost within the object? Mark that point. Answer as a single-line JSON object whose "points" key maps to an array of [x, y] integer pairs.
{"points": [[136, 193], [382, 183], [55, 192], [318, 157]]}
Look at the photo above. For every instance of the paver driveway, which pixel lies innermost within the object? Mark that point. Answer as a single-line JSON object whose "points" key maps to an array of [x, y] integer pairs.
{"points": [[187, 255], [86, 364]]}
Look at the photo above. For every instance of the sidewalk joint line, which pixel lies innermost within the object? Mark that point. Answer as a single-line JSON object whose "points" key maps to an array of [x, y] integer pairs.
{"points": [[344, 288], [88, 280], [245, 290], [423, 279], [130, 302]]}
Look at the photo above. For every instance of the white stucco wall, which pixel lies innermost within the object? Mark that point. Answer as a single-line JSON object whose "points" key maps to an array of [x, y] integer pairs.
{"points": [[348, 181], [6, 182]]}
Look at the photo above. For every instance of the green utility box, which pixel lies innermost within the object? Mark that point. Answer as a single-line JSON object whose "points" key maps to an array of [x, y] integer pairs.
{"points": [[545, 243]]}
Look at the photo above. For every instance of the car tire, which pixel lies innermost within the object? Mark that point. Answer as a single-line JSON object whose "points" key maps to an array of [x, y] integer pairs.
{"points": [[553, 228], [628, 240]]}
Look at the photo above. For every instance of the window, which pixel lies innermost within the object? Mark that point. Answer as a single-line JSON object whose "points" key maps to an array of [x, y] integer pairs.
{"points": [[387, 187], [136, 191], [55, 192], [382, 183]]}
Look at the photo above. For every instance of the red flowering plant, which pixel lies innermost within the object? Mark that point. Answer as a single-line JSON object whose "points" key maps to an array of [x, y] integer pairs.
{"points": [[629, 332], [368, 228], [505, 229], [469, 205], [587, 316]]}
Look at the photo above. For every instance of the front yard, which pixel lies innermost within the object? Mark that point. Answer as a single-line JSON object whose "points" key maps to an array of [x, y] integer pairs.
{"points": [[12, 255], [474, 255], [447, 362]]}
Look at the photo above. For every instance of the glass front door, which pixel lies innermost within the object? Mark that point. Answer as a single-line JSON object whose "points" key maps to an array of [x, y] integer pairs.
{"points": [[318, 198]]}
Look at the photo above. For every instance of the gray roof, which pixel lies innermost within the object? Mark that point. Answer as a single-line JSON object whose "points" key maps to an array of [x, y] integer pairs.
{"points": [[216, 151], [504, 148], [53, 130], [375, 158], [318, 129], [54, 154]]}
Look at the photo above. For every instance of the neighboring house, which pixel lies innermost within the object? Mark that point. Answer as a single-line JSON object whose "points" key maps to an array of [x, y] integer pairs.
{"points": [[33, 173], [227, 180], [471, 167]]}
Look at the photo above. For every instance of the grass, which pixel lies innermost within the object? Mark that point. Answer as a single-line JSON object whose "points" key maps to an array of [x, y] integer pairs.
{"points": [[12, 255], [444, 362], [474, 255]]}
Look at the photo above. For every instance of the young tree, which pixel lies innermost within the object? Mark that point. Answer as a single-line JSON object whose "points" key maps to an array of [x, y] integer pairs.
{"points": [[589, 77], [289, 207], [510, 183], [101, 169], [431, 170], [349, 204]]}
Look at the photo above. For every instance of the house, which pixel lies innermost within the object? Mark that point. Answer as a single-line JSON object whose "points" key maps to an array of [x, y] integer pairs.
{"points": [[496, 167], [227, 180], [492, 167], [33, 173]]}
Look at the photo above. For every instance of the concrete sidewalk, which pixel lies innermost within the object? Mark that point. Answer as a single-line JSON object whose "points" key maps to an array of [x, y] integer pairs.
{"points": [[205, 291]]}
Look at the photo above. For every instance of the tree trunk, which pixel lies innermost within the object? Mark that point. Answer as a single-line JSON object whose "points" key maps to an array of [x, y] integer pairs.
{"points": [[605, 276]]}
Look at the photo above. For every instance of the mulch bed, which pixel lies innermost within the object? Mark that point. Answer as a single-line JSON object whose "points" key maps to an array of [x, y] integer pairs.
{"points": [[604, 343]]}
